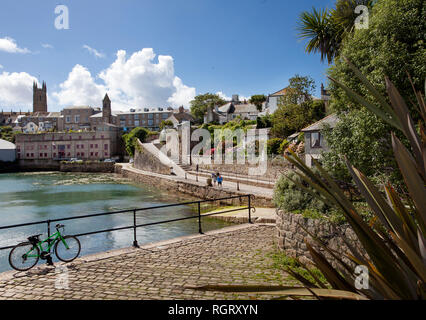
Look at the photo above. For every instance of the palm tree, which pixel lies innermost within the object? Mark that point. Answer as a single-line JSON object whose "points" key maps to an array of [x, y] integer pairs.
{"points": [[326, 29], [323, 35]]}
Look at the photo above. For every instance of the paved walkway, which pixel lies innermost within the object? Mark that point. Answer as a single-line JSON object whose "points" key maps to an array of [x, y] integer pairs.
{"points": [[236, 255]]}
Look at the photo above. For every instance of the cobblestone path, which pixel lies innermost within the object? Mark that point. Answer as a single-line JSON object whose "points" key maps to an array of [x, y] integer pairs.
{"points": [[237, 255]]}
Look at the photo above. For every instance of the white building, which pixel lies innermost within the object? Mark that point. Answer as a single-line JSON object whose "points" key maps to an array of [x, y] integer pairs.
{"points": [[7, 151]]}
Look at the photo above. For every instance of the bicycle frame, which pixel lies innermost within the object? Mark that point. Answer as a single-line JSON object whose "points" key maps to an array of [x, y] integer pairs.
{"points": [[50, 243]]}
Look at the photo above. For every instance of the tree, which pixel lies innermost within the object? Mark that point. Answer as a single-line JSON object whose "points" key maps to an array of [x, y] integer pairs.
{"points": [[130, 139], [202, 102], [166, 123], [300, 89], [392, 45], [297, 109], [291, 118], [322, 33], [258, 101], [264, 122]]}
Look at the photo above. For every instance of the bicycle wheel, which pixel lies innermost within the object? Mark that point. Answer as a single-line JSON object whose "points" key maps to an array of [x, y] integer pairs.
{"points": [[24, 256], [68, 252]]}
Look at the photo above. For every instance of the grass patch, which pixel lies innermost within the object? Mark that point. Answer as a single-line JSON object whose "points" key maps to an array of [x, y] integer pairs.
{"points": [[281, 261]]}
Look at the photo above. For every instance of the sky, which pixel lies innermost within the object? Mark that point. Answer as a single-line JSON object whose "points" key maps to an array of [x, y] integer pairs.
{"points": [[150, 53]]}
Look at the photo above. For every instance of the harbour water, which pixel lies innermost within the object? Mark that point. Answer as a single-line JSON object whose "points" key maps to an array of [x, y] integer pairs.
{"points": [[31, 197]]}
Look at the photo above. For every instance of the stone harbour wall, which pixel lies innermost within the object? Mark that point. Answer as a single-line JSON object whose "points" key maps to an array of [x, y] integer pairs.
{"points": [[191, 188], [290, 237]]}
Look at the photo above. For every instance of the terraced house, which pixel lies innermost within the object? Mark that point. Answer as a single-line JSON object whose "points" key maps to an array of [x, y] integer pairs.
{"points": [[60, 146]]}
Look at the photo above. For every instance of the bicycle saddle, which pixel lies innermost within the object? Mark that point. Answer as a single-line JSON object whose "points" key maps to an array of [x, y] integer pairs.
{"points": [[34, 239], [59, 226]]}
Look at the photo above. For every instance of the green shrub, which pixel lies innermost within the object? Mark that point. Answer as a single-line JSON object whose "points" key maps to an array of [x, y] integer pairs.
{"points": [[288, 197], [283, 146], [130, 139], [274, 145]]}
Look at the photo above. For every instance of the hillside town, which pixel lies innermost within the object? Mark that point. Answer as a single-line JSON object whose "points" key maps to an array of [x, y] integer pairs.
{"points": [[219, 168]]}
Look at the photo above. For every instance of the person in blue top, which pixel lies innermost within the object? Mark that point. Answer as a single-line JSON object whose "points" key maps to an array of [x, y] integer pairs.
{"points": [[219, 180]]}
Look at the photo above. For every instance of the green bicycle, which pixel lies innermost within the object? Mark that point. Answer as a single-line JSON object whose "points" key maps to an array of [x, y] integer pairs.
{"points": [[26, 255]]}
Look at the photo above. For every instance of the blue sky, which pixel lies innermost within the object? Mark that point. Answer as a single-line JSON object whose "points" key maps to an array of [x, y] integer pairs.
{"points": [[236, 46]]}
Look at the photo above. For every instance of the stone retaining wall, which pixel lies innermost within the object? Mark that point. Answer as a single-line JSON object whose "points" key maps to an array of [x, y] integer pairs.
{"points": [[291, 237], [274, 170], [146, 161]]}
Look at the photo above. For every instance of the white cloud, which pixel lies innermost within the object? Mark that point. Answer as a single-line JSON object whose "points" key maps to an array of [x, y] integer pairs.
{"points": [[47, 46], [136, 81], [79, 89], [183, 94], [16, 89], [93, 51], [1, 67], [9, 45]]}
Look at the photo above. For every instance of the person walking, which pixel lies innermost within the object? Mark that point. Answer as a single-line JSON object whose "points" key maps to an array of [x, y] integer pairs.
{"points": [[214, 179], [219, 180]]}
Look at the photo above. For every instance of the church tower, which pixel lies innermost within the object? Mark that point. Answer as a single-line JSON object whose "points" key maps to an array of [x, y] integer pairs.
{"points": [[39, 98], [106, 109]]}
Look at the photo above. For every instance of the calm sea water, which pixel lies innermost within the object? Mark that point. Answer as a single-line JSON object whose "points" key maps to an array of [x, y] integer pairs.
{"points": [[31, 197]]}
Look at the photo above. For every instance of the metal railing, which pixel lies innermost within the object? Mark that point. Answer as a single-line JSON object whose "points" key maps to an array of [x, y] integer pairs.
{"points": [[135, 226]]}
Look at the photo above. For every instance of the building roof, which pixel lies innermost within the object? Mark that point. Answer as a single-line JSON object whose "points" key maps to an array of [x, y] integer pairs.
{"points": [[243, 108], [6, 145], [279, 93], [183, 116], [331, 120], [77, 107]]}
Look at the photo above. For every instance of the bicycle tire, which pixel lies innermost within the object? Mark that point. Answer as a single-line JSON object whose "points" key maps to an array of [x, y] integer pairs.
{"points": [[73, 257], [14, 250]]}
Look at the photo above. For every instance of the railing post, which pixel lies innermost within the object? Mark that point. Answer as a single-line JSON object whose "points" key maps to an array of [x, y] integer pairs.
{"points": [[249, 208], [199, 218], [48, 232], [135, 241]]}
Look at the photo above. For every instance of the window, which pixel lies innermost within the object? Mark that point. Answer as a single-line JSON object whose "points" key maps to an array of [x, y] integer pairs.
{"points": [[77, 118], [45, 155], [150, 116], [136, 123], [96, 145], [68, 119], [82, 154], [165, 115], [136, 117], [122, 123], [41, 155], [91, 146], [315, 140], [54, 154], [106, 147], [150, 122]]}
